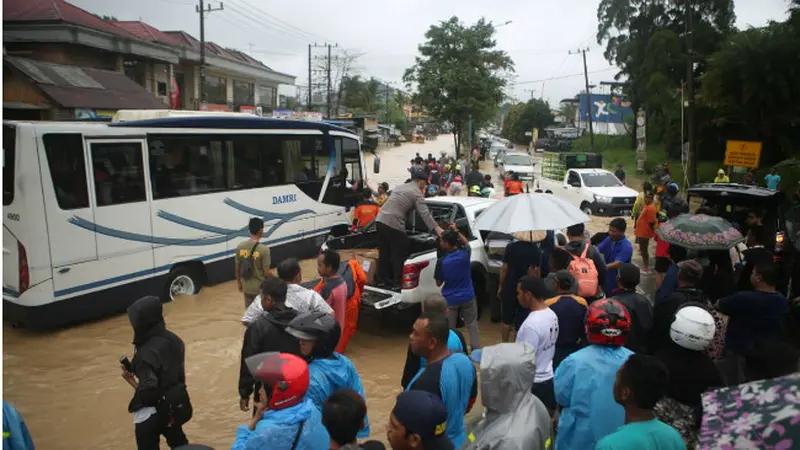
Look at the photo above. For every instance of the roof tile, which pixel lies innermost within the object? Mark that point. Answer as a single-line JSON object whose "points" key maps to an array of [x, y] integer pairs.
{"points": [[56, 10]]}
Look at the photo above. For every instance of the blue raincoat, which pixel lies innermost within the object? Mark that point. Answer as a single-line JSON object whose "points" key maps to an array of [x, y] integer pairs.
{"points": [[328, 375], [278, 428], [15, 432], [584, 387]]}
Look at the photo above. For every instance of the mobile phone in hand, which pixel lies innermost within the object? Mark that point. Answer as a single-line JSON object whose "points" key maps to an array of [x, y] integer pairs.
{"points": [[126, 363]]}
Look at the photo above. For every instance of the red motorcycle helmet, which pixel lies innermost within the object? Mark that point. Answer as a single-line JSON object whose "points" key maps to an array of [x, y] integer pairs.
{"points": [[285, 377], [607, 323]]}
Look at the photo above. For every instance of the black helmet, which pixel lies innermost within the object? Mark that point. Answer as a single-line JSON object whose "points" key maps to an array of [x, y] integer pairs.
{"points": [[318, 326]]}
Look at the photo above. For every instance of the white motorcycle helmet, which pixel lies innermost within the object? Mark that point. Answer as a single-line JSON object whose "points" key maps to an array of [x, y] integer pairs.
{"points": [[693, 328]]}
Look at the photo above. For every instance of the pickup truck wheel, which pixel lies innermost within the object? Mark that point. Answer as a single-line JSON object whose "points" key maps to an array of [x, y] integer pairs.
{"points": [[587, 209]]}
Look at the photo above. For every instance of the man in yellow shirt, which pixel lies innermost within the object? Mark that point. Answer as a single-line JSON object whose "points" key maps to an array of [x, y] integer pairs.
{"points": [[252, 262]]}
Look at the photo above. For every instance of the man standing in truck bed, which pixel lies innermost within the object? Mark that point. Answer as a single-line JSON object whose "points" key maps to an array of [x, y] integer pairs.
{"points": [[391, 227]]}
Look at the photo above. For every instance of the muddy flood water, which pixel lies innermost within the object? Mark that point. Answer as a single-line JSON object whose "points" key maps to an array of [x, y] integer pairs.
{"points": [[66, 384]]}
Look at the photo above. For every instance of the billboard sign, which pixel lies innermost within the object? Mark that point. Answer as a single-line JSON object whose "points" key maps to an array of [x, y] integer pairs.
{"points": [[606, 108]]}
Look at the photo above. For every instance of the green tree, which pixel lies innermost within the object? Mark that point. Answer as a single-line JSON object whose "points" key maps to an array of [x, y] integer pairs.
{"points": [[524, 117], [460, 74], [569, 111]]}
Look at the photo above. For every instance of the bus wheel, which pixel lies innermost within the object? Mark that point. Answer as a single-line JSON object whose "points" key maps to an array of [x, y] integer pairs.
{"points": [[181, 281]]}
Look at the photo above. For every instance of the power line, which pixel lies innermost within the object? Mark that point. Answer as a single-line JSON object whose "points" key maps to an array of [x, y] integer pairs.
{"points": [[282, 23], [268, 27], [562, 77]]}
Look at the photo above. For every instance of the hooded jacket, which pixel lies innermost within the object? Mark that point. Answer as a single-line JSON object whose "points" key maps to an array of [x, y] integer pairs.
{"points": [[515, 419], [15, 433], [266, 334], [159, 358], [278, 428], [584, 387], [328, 375]]}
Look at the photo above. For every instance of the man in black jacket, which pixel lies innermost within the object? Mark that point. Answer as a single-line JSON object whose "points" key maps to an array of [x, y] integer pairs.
{"points": [[266, 334], [638, 306], [160, 403], [690, 273]]}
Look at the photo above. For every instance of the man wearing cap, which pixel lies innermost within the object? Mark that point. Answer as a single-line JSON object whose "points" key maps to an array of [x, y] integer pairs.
{"points": [[391, 226], [418, 422], [447, 375]]}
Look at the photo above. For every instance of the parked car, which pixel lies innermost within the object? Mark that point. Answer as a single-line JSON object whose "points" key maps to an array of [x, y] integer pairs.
{"points": [[595, 191]]}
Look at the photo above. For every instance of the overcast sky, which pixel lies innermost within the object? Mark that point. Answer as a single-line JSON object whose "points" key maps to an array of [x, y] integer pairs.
{"points": [[387, 32]]}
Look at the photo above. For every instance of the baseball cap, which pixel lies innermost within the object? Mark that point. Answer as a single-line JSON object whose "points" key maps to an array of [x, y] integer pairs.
{"points": [[422, 413]]}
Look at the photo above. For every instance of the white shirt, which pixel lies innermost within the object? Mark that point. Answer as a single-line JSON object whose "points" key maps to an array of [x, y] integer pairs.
{"points": [[540, 331], [298, 298]]}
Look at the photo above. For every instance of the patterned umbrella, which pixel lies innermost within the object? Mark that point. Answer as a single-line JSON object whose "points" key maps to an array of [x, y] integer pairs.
{"points": [[759, 415], [700, 232]]}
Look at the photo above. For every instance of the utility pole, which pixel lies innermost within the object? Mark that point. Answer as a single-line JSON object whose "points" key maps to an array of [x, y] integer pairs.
{"points": [[531, 91], [690, 86], [202, 10], [324, 69], [329, 82], [588, 95], [308, 106]]}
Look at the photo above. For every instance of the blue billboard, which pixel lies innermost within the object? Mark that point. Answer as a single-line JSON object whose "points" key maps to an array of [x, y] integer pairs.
{"points": [[606, 108]]}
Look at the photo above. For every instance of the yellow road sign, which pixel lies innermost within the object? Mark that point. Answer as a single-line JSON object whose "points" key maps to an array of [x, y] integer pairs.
{"points": [[743, 153]]}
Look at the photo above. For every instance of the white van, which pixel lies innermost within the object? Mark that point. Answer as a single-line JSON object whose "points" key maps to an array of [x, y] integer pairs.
{"points": [[100, 214]]}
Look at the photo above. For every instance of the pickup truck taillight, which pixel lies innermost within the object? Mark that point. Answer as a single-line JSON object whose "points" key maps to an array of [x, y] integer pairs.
{"points": [[411, 274], [24, 270]]}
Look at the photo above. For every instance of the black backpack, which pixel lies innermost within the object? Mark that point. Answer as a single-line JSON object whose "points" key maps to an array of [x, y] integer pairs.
{"points": [[246, 265]]}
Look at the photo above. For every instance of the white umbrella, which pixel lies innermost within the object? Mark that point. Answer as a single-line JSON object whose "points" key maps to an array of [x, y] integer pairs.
{"points": [[529, 212]]}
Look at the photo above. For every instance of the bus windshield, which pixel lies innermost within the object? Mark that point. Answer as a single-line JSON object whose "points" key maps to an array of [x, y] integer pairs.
{"points": [[518, 160]]}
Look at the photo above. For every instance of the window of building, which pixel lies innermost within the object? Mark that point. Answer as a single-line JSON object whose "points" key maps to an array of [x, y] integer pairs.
{"points": [[162, 88], [118, 172], [9, 153], [183, 165], [67, 169], [266, 97], [216, 90], [243, 93]]}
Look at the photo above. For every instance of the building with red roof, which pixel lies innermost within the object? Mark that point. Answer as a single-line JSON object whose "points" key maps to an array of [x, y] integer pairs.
{"points": [[164, 63]]}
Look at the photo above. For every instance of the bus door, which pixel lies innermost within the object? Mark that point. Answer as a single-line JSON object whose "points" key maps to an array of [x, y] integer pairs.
{"points": [[70, 218], [122, 206], [347, 179]]}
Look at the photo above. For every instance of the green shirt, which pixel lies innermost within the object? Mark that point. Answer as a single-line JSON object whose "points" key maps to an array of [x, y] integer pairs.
{"points": [[261, 259], [651, 435]]}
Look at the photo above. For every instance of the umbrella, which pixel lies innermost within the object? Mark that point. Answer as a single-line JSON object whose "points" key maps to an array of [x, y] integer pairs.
{"points": [[762, 414], [529, 212], [700, 232]]}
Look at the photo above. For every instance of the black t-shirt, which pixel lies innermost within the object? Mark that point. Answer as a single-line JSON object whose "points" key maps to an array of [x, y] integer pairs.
{"points": [[519, 256], [754, 315], [752, 256]]}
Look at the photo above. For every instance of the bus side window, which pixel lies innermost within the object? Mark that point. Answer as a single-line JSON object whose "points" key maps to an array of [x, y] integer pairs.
{"points": [[67, 169], [9, 152], [118, 172], [183, 165], [258, 161]]}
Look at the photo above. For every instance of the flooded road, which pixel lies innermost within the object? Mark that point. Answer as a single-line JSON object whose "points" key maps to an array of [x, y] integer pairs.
{"points": [[67, 385]]}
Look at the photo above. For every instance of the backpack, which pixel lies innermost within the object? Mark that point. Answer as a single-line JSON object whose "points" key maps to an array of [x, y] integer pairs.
{"points": [[585, 273], [246, 265]]}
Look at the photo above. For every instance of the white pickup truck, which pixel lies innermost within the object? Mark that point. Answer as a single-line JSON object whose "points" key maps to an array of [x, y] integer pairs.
{"points": [[595, 191], [418, 270]]}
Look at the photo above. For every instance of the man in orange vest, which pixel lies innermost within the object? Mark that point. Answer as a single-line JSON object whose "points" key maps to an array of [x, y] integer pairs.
{"points": [[355, 279], [366, 211], [514, 186]]}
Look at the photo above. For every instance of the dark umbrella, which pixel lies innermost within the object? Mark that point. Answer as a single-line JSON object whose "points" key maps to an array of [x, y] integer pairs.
{"points": [[759, 415], [700, 232]]}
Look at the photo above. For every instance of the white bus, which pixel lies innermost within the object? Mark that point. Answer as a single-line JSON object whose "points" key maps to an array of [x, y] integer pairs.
{"points": [[97, 215]]}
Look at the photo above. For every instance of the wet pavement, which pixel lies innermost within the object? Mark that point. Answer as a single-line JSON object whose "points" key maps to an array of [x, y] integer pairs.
{"points": [[67, 385]]}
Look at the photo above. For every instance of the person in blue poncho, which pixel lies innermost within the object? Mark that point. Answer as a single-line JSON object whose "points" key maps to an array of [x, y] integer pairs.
{"points": [[434, 303], [447, 375], [285, 418], [15, 433], [329, 371], [584, 381]]}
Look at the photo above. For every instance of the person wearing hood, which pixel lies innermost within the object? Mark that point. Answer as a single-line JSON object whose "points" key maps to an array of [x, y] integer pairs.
{"points": [[266, 334], [584, 380], [285, 419], [318, 334], [160, 403], [515, 419], [722, 177], [343, 414], [354, 279], [15, 433]]}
